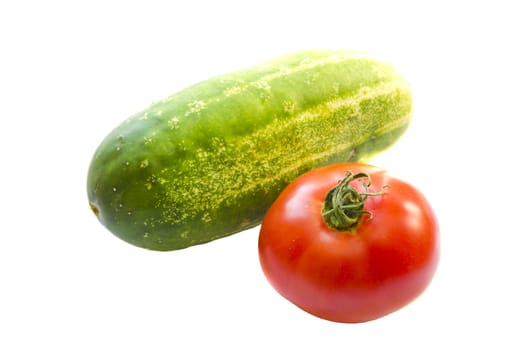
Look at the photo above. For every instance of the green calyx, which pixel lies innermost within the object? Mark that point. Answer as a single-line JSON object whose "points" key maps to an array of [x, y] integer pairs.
{"points": [[344, 206]]}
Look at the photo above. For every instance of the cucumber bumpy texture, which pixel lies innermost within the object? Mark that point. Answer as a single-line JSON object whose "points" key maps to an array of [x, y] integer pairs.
{"points": [[209, 160]]}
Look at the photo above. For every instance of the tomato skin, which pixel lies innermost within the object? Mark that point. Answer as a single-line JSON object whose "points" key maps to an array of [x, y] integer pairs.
{"points": [[385, 264]]}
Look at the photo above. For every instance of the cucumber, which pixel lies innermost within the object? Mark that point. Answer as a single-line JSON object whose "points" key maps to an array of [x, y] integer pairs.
{"points": [[209, 160]]}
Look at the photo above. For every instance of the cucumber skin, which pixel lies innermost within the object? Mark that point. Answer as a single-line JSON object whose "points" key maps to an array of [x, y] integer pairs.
{"points": [[209, 160]]}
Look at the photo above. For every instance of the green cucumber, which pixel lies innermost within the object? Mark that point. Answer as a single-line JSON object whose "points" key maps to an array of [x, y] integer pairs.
{"points": [[209, 160]]}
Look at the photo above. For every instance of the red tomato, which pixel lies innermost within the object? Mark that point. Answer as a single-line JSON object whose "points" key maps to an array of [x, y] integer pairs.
{"points": [[356, 274]]}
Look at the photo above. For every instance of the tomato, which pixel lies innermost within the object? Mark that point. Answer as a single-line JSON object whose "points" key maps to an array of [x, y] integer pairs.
{"points": [[366, 257]]}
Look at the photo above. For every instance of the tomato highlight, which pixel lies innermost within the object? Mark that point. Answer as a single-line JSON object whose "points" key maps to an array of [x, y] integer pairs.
{"points": [[349, 243]]}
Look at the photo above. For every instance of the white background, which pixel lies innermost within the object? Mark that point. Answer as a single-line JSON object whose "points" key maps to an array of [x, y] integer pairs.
{"points": [[70, 71]]}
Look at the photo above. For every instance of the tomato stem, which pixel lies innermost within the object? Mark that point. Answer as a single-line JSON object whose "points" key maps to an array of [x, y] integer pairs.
{"points": [[344, 206]]}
